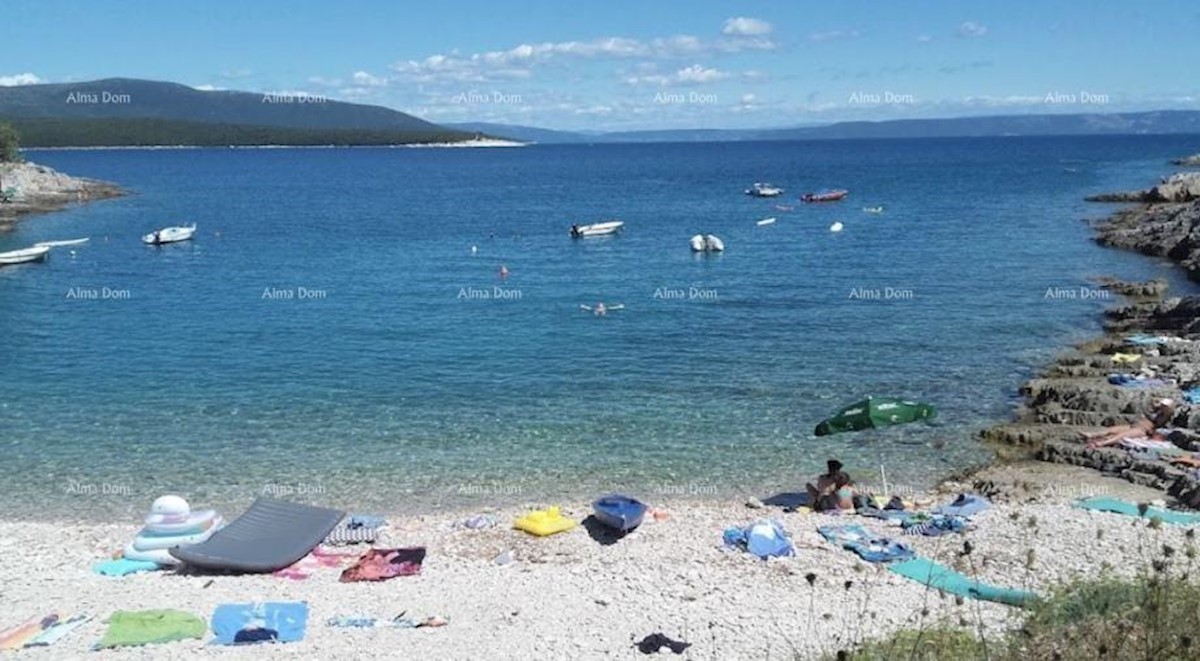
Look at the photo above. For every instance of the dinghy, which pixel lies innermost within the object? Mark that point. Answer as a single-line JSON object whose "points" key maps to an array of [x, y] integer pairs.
{"points": [[825, 195], [765, 221], [619, 512], [56, 244], [596, 229], [878, 209], [836, 227], [169, 235], [25, 255], [706, 243]]}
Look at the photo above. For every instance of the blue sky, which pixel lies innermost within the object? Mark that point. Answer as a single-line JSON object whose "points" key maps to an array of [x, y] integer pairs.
{"points": [[635, 65]]}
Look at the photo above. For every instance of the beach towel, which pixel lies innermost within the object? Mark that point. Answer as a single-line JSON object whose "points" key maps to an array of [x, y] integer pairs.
{"points": [[58, 631], [16, 637], [1143, 443], [929, 573], [398, 622], [1141, 339], [356, 529], [1131, 381], [1117, 506], [382, 564], [764, 539], [1192, 395], [935, 526], [130, 628], [309, 564], [1126, 358], [966, 504], [868, 546], [124, 567], [278, 622]]}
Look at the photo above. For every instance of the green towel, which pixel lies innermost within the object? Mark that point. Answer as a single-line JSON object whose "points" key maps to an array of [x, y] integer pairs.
{"points": [[930, 573], [1107, 504], [128, 628]]}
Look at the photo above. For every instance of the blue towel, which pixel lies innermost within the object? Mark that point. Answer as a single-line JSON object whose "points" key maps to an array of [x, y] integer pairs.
{"points": [[1117, 506], [1131, 381], [764, 538], [967, 504], [935, 527], [124, 566], [1141, 339], [1192, 395], [282, 622], [868, 547]]}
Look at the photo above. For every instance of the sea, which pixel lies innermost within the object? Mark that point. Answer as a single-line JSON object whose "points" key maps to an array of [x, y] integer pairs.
{"points": [[407, 330]]}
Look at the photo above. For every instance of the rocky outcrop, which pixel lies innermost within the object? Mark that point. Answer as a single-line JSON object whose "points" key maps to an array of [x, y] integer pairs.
{"points": [[1149, 289], [1189, 161], [1181, 187], [1163, 230], [27, 188]]}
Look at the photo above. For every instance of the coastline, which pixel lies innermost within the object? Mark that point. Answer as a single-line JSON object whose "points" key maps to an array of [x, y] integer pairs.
{"points": [[465, 144], [37, 189]]}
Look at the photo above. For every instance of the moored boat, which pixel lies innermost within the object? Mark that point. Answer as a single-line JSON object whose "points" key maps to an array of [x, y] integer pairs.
{"points": [[24, 256], [619, 512], [596, 229], [56, 244], [764, 190], [706, 243], [825, 195], [169, 235]]}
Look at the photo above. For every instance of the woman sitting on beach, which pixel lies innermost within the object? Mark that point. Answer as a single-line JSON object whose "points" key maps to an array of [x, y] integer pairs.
{"points": [[1160, 415], [834, 489]]}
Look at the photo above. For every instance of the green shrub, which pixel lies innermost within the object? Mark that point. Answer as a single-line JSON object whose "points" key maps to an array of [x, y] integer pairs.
{"points": [[10, 144]]}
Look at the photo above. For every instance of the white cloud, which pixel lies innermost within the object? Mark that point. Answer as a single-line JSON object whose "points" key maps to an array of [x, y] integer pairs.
{"points": [[237, 73], [693, 75], [207, 88], [971, 29], [924, 39], [364, 79], [19, 79], [742, 26], [834, 35]]}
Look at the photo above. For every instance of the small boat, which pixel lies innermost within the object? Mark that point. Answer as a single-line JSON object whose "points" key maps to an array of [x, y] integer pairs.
{"points": [[764, 190], [784, 207], [836, 227], [825, 195], [25, 255], [878, 209], [169, 235], [56, 244], [765, 221], [619, 512], [706, 243], [596, 229]]}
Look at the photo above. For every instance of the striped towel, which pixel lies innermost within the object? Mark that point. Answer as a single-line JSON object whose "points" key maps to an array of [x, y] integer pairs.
{"points": [[1143, 443], [344, 535]]}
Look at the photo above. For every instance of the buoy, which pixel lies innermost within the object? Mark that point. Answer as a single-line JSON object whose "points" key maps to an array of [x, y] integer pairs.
{"points": [[836, 227], [474, 249], [503, 271]]}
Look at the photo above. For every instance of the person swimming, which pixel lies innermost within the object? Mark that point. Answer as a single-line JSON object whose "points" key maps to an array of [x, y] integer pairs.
{"points": [[833, 490]]}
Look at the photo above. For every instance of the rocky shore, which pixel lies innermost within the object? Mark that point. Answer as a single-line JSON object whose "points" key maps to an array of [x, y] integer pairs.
{"points": [[1152, 343], [29, 188]]}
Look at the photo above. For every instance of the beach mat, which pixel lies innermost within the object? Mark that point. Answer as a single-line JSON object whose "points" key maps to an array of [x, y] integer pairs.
{"points": [[930, 573], [132, 628], [271, 535], [1118, 506]]}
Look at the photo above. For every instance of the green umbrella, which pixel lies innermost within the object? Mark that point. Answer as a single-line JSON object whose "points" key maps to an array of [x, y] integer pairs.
{"points": [[875, 412]]}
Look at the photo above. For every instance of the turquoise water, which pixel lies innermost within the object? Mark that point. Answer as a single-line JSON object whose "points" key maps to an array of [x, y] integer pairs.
{"points": [[387, 381]]}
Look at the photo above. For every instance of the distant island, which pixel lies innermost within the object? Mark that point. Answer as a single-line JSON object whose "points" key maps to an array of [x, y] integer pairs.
{"points": [[122, 112]]}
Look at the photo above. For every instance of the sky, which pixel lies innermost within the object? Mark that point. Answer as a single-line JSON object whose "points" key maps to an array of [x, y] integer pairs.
{"points": [[620, 65]]}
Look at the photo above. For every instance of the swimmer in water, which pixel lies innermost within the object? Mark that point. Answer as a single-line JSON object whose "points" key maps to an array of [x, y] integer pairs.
{"points": [[600, 309], [503, 272]]}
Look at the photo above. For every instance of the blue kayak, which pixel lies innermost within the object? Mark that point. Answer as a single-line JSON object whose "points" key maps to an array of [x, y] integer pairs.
{"points": [[620, 512]]}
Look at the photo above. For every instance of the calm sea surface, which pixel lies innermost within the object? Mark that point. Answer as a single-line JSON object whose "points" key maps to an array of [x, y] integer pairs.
{"points": [[331, 336]]}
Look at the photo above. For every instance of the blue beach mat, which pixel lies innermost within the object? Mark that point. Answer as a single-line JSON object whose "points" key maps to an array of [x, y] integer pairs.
{"points": [[278, 622], [1117, 506], [929, 573], [124, 567]]}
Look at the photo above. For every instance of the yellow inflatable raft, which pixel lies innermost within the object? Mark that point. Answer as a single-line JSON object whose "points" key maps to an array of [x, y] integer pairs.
{"points": [[544, 522]]}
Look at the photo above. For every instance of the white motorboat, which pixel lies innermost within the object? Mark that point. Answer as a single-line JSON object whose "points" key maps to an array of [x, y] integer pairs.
{"points": [[763, 190], [169, 235], [766, 221], [836, 227], [25, 255], [56, 244], [706, 243], [597, 229]]}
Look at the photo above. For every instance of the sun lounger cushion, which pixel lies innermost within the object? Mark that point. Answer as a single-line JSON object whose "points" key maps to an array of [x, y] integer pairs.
{"points": [[271, 535]]}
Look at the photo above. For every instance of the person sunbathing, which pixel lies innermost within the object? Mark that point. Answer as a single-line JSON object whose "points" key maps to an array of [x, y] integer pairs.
{"points": [[834, 489], [1160, 415]]}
